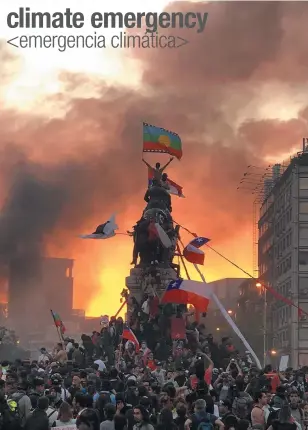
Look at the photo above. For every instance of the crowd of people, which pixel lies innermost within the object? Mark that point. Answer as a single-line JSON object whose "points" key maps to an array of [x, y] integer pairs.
{"points": [[106, 382]]}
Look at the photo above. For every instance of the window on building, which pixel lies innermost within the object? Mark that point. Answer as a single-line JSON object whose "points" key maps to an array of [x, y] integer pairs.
{"points": [[303, 183], [303, 236], [303, 261], [303, 207]]}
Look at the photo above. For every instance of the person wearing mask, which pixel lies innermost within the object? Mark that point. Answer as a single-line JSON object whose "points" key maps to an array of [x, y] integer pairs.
{"points": [[38, 420], [257, 413], [65, 416]]}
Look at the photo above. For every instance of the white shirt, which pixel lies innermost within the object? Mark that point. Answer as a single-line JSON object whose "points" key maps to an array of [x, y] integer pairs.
{"points": [[216, 411], [145, 307], [69, 346], [52, 415], [43, 358], [64, 395], [101, 365]]}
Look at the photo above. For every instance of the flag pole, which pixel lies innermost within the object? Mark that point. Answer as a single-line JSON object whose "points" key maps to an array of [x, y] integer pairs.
{"points": [[57, 328], [120, 308], [197, 313], [230, 320], [266, 287]]}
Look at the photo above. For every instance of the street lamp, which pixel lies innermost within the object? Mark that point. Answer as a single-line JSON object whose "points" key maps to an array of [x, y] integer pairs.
{"points": [[273, 352], [258, 285], [230, 312], [218, 329]]}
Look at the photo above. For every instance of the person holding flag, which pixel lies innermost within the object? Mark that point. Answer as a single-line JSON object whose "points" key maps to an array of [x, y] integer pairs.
{"points": [[157, 171]]}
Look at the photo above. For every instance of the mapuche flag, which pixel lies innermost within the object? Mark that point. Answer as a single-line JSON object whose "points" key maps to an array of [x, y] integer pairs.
{"points": [[157, 139], [58, 322]]}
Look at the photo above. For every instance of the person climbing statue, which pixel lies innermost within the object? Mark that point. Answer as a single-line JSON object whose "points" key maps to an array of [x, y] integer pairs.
{"points": [[164, 181], [157, 170]]}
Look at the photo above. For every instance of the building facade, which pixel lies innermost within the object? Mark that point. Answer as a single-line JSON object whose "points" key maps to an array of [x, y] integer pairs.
{"points": [[47, 284], [283, 259], [250, 315], [227, 290]]}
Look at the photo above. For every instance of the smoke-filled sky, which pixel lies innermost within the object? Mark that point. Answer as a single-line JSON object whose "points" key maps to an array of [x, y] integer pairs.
{"points": [[70, 134]]}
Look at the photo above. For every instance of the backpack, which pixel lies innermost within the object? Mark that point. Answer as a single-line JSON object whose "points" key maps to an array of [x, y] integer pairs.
{"points": [[240, 407], [203, 424], [107, 396], [273, 415], [11, 419]]}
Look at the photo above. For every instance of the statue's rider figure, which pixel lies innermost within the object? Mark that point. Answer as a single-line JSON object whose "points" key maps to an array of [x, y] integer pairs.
{"points": [[157, 197]]}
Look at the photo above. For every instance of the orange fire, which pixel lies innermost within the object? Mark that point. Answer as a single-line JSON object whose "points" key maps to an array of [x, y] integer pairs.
{"points": [[113, 265]]}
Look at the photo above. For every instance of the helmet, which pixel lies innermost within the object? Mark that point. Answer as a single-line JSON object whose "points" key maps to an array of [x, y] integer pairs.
{"points": [[56, 379]]}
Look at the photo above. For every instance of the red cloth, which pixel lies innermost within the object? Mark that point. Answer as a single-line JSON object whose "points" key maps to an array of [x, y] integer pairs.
{"points": [[154, 303], [178, 329], [207, 378], [153, 235], [151, 365], [275, 380]]}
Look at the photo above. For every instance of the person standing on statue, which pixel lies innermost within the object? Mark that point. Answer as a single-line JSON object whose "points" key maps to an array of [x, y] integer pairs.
{"points": [[164, 182], [157, 170]]}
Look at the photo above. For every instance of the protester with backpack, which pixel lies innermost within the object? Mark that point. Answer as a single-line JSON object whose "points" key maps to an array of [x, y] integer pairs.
{"points": [[23, 403], [201, 420], [242, 402], [227, 417], [9, 419], [38, 420]]}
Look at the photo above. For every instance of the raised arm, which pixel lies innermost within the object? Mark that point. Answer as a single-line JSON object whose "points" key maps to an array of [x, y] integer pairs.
{"points": [[166, 165], [147, 164]]}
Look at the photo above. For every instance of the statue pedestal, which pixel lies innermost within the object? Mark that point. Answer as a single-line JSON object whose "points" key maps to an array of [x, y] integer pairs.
{"points": [[149, 280]]}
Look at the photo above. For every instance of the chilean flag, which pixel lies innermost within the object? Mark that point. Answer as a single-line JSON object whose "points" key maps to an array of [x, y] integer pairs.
{"points": [[128, 334], [193, 254], [187, 292], [199, 241], [174, 188]]}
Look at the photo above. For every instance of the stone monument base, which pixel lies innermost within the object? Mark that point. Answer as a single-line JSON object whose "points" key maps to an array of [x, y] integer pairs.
{"points": [[149, 280]]}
